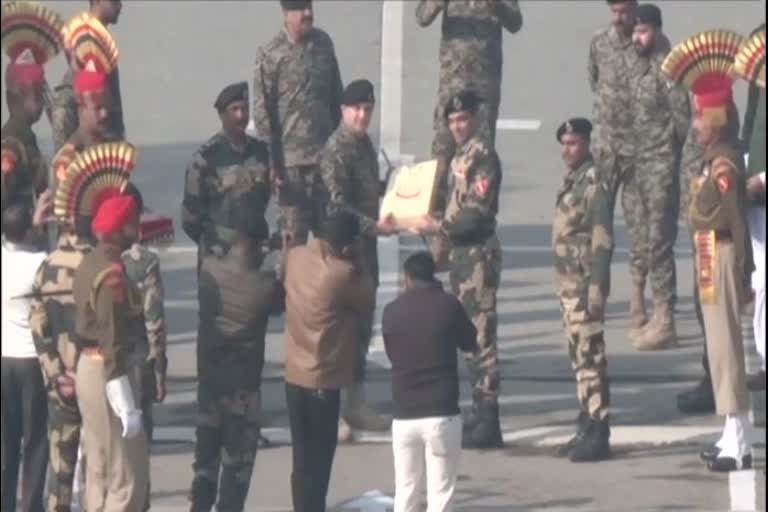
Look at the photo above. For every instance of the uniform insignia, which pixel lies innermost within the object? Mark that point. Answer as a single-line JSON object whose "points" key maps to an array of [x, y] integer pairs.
{"points": [[7, 161], [481, 186], [723, 184]]}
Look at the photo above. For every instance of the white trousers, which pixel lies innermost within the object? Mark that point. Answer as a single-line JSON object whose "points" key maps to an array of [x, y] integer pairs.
{"points": [[757, 231], [426, 450]]}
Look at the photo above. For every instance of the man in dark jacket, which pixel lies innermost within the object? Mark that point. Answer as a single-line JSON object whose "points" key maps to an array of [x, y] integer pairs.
{"points": [[423, 328]]}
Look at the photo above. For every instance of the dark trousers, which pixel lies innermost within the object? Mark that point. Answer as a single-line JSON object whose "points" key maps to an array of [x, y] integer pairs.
{"points": [[314, 417], [25, 437]]}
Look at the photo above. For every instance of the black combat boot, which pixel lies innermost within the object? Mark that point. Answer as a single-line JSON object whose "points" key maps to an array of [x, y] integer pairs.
{"points": [[581, 421], [594, 445], [469, 418], [486, 433], [699, 400]]}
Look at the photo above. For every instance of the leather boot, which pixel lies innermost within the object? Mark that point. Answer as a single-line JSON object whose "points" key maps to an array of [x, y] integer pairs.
{"points": [[699, 400], [581, 421], [637, 313], [486, 433], [660, 333], [594, 446], [359, 415]]}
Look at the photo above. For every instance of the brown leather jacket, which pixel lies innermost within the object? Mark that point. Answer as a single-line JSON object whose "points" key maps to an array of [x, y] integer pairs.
{"points": [[328, 298]]}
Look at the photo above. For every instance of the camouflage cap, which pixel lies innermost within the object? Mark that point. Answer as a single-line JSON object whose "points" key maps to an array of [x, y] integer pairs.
{"points": [[577, 125], [465, 101]]}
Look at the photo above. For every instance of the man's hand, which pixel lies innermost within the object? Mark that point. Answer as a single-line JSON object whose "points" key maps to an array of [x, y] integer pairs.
{"points": [[65, 385], [43, 208], [162, 390], [596, 312], [755, 188], [386, 226], [425, 225]]}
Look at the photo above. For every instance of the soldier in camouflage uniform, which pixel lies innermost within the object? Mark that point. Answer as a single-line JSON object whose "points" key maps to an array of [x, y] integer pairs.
{"points": [[142, 267], [228, 166], [350, 172], [611, 59], [64, 120], [475, 259], [582, 243], [660, 116], [296, 106]]}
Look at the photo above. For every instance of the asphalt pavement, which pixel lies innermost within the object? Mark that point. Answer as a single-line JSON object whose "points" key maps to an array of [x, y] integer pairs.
{"points": [[177, 55]]}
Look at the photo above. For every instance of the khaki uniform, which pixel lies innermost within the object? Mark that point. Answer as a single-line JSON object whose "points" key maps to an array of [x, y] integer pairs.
{"points": [[109, 324], [723, 268]]}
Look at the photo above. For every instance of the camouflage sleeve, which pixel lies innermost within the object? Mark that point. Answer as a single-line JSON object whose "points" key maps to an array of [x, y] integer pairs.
{"points": [[510, 15], [592, 70], [154, 313], [680, 107], [45, 345], [336, 179], [427, 11], [193, 204], [64, 119], [602, 244], [753, 96], [337, 91], [265, 109], [477, 212]]}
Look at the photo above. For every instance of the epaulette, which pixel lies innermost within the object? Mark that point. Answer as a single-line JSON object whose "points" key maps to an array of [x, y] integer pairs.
{"points": [[114, 277], [12, 152]]}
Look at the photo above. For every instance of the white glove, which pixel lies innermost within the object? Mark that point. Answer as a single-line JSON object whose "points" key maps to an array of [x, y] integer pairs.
{"points": [[120, 398]]}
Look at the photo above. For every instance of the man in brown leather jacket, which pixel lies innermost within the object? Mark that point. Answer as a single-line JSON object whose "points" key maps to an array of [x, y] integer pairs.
{"points": [[328, 297]]}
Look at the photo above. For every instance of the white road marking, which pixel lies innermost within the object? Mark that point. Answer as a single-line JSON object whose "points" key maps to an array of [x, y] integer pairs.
{"points": [[518, 124], [371, 501], [742, 486]]}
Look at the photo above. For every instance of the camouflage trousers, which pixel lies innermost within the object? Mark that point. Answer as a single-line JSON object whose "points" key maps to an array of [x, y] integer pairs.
{"points": [[64, 437], [586, 347], [299, 202], [475, 275], [227, 440], [652, 191]]}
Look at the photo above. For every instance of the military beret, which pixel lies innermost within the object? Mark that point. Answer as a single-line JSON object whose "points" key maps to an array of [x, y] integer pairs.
{"points": [[575, 125], [250, 222], [359, 91], [295, 5], [230, 94], [648, 14], [465, 101]]}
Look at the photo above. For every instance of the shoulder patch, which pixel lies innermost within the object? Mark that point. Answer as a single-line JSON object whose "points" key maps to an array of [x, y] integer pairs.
{"points": [[721, 173], [482, 185], [8, 161]]}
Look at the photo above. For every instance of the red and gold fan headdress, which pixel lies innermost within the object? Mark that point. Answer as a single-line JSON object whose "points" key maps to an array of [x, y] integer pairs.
{"points": [[31, 36], [98, 173], [92, 51], [749, 63], [704, 64]]}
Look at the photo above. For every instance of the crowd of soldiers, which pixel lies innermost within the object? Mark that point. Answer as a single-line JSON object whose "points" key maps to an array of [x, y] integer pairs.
{"points": [[96, 310]]}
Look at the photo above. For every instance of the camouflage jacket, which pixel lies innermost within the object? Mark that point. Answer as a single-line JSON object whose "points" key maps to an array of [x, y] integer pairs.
{"points": [[52, 314], [475, 182], [350, 172], [471, 43], [660, 112], [296, 97], [753, 97], [611, 59], [142, 266], [215, 180], [64, 120], [719, 203], [582, 235], [757, 140], [24, 171]]}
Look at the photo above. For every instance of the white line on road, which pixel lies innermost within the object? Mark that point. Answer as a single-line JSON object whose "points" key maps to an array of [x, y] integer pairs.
{"points": [[742, 486], [518, 124]]}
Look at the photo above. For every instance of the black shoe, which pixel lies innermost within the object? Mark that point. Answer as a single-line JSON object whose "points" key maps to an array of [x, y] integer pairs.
{"points": [[486, 433], [709, 453], [582, 421], [756, 382], [469, 418], [264, 442], [728, 464], [699, 400], [594, 445]]}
